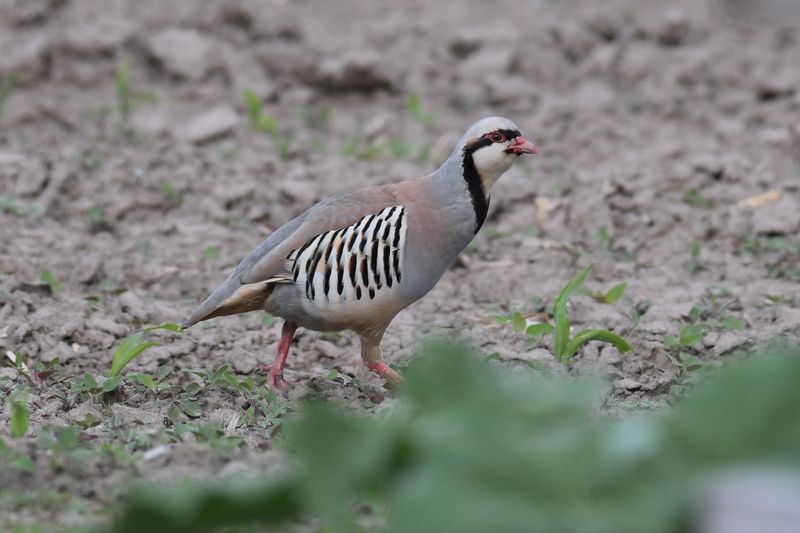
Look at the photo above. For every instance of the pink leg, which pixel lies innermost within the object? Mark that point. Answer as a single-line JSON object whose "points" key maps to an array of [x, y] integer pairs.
{"points": [[371, 355], [384, 370], [275, 369]]}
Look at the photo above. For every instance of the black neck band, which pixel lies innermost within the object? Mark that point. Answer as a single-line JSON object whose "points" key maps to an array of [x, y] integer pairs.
{"points": [[475, 184]]}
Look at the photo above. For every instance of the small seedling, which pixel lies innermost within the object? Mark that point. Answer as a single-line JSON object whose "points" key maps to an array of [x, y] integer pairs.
{"points": [[51, 280], [211, 252], [19, 415], [694, 264], [267, 124], [95, 215], [611, 297], [400, 149], [126, 99], [639, 310], [688, 336], [693, 197], [5, 90], [258, 120], [414, 106], [564, 346], [173, 196], [130, 348]]}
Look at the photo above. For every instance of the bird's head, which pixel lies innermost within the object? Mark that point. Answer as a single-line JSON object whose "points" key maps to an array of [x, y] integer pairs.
{"points": [[489, 148]]}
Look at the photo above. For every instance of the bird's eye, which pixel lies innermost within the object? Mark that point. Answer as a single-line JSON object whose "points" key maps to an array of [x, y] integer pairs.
{"points": [[497, 137]]}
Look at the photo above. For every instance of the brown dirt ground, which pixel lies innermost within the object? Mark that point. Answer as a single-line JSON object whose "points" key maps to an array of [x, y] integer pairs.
{"points": [[653, 125]]}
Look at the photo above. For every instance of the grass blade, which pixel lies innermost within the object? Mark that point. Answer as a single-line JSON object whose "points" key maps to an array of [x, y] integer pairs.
{"points": [[572, 287], [536, 330], [19, 416], [127, 351], [561, 318], [603, 335], [615, 293]]}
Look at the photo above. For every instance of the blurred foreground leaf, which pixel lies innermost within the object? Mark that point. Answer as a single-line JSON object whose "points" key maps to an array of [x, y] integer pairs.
{"points": [[475, 448]]}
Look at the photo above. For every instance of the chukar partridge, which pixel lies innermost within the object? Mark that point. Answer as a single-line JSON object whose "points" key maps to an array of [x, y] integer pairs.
{"points": [[354, 260]]}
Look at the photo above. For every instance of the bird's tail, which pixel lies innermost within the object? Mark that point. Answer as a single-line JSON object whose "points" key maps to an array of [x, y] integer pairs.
{"points": [[232, 298]]}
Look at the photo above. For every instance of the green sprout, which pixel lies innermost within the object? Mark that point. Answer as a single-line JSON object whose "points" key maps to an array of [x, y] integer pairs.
{"points": [[131, 347], [564, 345], [126, 99], [414, 106], [19, 415], [170, 193], [267, 124], [611, 297], [51, 280], [5, 90]]}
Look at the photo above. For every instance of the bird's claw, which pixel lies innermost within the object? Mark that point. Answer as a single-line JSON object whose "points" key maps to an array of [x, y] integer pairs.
{"points": [[275, 379]]}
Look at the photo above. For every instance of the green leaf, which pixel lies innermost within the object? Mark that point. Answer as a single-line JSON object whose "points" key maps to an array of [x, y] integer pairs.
{"points": [[562, 333], [731, 323], [191, 408], [690, 362], [127, 351], [671, 341], [146, 380], [51, 281], [603, 335], [19, 416], [111, 384], [690, 335], [537, 330], [89, 383], [572, 286], [253, 104], [518, 321], [123, 87], [267, 319], [615, 293]]}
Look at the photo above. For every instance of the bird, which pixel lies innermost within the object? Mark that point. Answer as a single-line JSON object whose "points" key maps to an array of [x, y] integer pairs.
{"points": [[353, 261]]}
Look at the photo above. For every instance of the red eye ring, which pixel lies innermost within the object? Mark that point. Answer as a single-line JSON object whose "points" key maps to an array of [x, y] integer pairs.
{"points": [[496, 137]]}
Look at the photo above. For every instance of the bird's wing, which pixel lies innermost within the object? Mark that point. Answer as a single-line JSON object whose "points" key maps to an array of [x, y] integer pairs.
{"points": [[248, 286]]}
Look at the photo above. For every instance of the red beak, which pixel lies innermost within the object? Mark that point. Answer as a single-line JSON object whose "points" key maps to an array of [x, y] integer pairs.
{"points": [[521, 145]]}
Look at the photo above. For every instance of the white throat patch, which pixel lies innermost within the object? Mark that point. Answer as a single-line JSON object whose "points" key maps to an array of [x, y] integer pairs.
{"points": [[491, 162]]}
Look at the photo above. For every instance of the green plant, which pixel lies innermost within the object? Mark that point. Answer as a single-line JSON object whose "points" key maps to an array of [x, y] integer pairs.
{"points": [[694, 264], [267, 124], [693, 197], [5, 90], [565, 345], [258, 120], [610, 297], [131, 347], [356, 147], [126, 99], [19, 415], [173, 196], [415, 111], [51, 280], [211, 252], [540, 458]]}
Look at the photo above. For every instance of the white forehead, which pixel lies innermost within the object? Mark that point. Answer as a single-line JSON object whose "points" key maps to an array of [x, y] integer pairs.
{"points": [[489, 124]]}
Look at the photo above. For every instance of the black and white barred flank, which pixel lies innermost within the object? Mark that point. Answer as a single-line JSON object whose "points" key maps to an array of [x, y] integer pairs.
{"points": [[352, 263]]}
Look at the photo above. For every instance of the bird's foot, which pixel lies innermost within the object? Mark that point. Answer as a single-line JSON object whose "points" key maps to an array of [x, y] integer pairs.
{"points": [[385, 371], [275, 379]]}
